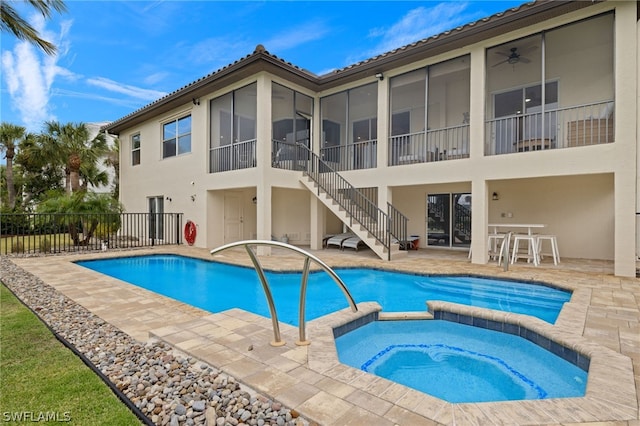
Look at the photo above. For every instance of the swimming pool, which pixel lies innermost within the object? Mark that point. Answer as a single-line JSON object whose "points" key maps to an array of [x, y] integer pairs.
{"points": [[460, 363], [216, 287]]}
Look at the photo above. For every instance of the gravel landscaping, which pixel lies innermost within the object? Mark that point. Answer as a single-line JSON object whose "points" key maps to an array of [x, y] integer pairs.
{"points": [[165, 386]]}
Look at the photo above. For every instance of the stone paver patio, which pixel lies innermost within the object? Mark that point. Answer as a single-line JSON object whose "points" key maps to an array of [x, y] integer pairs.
{"points": [[602, 321]]}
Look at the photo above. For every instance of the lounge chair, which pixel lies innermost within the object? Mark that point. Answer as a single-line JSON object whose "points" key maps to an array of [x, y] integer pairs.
{"points": [[337, 240], [353, 242]]}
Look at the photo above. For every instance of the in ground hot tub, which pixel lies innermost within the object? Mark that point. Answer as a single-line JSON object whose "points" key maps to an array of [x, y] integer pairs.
{"points": [[461, 363]]}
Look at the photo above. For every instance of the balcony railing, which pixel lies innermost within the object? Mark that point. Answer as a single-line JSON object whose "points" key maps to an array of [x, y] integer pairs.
{"points": [[582, 125], [355, 156], [46, 233], [241, 155], [449, 143], [288, 155]]}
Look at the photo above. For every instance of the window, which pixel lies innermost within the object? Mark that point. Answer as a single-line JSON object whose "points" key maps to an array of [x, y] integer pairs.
{"points": [[135, 149], [176, 137]]}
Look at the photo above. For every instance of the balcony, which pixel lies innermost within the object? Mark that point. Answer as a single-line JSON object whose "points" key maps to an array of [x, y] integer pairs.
{"points": [[583, 125], [450, 143]]}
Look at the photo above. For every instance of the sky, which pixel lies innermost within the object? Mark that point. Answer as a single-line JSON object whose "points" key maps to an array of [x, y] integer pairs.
{"points": [[115, 57]]}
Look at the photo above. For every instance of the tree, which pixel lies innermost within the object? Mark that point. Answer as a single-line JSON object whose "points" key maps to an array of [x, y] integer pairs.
{"points": [[10, 135], [84, 213], [70, 145], [11, 21], [39, 177]]}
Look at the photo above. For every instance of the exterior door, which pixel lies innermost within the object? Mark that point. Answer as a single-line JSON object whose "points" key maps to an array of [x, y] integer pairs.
{"points": [[233, 220], [449, 220], [156, 218]]}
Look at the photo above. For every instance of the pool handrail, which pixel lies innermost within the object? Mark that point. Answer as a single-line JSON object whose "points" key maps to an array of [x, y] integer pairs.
{"points": [[303, 284]]}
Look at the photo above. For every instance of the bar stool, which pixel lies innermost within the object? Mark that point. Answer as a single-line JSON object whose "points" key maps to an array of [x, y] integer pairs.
{"points": [[532, 248], [554, 247]]}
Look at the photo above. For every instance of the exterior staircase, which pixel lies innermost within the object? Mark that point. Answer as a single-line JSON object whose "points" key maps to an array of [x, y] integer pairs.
{"points": [[381, 231]]}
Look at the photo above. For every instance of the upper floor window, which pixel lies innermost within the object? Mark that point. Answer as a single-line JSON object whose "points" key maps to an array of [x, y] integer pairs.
{"points": [[135, 149], [176, 137]]}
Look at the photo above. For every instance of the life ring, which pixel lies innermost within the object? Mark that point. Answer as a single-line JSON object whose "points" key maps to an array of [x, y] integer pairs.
{"points": [[190, 232]]}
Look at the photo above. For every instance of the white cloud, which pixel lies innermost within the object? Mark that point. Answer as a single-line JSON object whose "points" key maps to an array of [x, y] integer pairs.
{"points": [[419, 23], [214, 51], [296, 36], [128, 103], [29, 74], [125, 89], [155, 78]]}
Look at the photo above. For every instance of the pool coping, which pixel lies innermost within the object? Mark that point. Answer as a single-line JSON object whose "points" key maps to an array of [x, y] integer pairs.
{"points": [[311, 380], [610, 393]]}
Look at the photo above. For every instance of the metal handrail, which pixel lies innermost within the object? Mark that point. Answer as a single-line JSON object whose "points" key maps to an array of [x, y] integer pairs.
{"points": [[505, 248], [303, 284], [382, 226]]}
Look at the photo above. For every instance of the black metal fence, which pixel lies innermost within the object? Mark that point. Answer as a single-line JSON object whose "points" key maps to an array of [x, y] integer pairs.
{"points": [[24, 233]]}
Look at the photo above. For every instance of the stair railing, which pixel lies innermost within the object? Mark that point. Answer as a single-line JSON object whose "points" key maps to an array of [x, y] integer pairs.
{"points": [[387, 228]]}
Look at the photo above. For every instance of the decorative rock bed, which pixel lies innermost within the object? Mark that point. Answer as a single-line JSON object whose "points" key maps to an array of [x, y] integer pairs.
{"points": [[165, 386]]}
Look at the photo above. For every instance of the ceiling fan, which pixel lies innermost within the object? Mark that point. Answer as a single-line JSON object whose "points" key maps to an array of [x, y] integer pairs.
{"points": [[513, 57]]}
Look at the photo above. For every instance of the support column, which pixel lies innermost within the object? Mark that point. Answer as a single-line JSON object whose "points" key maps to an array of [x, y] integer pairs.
{"points": [[626, 197], [479, 221], [263, 165], [477, 103], [382, 150], [318, 222]]}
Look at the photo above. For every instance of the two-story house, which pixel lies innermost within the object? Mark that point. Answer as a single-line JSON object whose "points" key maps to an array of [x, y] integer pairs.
{"points": [[526, 116]]}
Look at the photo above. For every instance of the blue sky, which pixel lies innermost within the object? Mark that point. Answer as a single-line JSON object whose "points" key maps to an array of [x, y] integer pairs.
{"points": [[117, 56]]}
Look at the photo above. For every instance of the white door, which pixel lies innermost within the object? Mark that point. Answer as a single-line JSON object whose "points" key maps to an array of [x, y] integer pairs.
{"points": [[233, 221]]}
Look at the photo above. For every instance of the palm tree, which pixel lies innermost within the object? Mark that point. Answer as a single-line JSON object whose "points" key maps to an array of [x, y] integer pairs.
{"points": [[10, 135], [70, 146], [84, 213], [11, 21]]}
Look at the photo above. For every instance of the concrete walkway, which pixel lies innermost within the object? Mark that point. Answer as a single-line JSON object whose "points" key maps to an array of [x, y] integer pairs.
{"points": [[601, 321]]}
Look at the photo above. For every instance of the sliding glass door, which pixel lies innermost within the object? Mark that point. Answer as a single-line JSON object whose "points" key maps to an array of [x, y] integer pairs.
{"points": [[449, 220]]}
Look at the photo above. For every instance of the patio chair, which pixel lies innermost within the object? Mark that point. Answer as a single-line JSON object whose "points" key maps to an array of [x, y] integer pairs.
{"points": [[352, 242], [337, 240]]}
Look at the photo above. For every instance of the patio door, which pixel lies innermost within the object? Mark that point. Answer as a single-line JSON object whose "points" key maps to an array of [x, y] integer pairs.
{"points": [[449, 220], [156, 218]]}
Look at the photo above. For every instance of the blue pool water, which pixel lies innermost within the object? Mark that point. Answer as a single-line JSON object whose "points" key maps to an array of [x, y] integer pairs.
{"points": [[460, 363], [216, 287]]}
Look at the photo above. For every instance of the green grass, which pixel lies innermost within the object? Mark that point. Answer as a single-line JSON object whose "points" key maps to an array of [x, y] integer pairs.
{"points": [[33, 243], [39, 376]]}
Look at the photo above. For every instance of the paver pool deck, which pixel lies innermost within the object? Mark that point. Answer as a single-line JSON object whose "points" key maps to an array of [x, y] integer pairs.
{"points": [[602, 321]]}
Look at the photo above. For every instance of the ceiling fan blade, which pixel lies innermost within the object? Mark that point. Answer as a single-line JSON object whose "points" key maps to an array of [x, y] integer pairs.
{"points": [[500, 63], [527, 49], [507, 54], [523, 60]]}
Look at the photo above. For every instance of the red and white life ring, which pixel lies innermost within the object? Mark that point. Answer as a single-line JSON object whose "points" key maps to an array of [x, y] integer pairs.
{"points": [[190, 232]]}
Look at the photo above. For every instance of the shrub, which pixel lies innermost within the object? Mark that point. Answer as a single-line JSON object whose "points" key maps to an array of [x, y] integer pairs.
{"points": [[17, 246], [45, 245]]}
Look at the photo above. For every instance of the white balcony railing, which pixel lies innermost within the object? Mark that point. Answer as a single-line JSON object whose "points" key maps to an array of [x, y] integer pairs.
{"points": [[449, 143], [582, 125], [241, 155]]}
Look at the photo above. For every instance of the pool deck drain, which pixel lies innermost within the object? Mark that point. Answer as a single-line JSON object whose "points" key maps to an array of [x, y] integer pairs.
{"points": [[602, 320]]}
